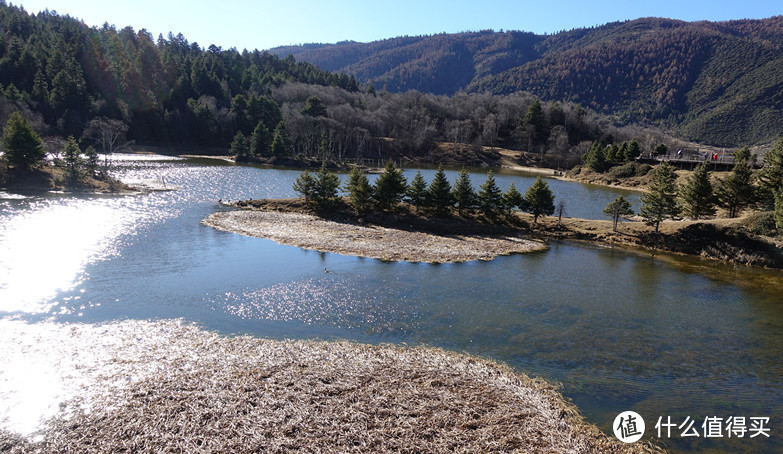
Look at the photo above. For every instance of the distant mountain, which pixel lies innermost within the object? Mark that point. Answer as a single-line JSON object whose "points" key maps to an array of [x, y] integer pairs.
{"points": [[714, 82]]}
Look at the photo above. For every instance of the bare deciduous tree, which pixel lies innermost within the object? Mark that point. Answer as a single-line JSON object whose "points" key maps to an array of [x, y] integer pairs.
{"points": [[108, 134]]}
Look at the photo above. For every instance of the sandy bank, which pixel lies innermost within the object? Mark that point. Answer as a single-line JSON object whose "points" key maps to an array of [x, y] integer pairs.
{"points": [[190, 390], [312, 232]]}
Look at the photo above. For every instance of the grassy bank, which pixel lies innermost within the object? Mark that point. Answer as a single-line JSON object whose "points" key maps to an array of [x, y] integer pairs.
{"points": [[51, 178], [727, 240]]}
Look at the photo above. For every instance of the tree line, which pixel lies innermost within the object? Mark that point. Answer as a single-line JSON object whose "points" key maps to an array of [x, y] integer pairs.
{"points": [[699, 198], [62, 75], [321, 190]]}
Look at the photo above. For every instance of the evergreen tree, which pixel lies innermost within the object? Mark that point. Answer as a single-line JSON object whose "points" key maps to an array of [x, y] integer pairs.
{"points": [[535, 120], [512, 199], [660, 149], [281, 143], [771, 176], [440, 192], [660, 202], [260, 143], [23, 146], [742, 155], [72, 158], [613, 156], [463, 191], [417, 191], [305, 186], [736, 192], [327, 183], [390, 186], [595, 159], [633, 150], [539, 199], [697, 196], [314, 107], [490, 198], [238, 146], [618, 209], [92, 159], [359, 190], [779, 211]]}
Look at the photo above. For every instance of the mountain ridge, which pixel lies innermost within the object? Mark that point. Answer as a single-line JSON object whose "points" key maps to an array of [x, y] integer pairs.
{"points": [[712, 82]]}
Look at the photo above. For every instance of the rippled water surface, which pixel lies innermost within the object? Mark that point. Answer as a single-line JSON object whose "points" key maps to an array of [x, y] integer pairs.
{"points": [[661, 335]]}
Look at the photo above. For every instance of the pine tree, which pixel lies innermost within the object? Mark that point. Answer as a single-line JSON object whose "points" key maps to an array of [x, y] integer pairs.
{"points": [[742, 155], [736, 192], [660, 202], [260, 143], [535, 120], [327, 183], [23, 147], [633, 150], [74, 164], [463, 191], [390, 186], [314, 107], [613, 156], [618, 209], [660, 149], [595, 159], [490, 198], [697, 195], [305, 186], [359, 190], [539, 199], [440, 192], [417, 191], [239, 146], [512, 199], [281, 143], [771, 175], [779, 211]]}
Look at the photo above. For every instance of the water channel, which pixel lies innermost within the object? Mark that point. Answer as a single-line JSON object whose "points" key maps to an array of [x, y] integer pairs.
{"points": [[659, 334]]}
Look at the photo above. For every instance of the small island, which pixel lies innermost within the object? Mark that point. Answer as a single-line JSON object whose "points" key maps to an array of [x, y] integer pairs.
{"points": [[394, 221], [437, 224], [288, 222]]}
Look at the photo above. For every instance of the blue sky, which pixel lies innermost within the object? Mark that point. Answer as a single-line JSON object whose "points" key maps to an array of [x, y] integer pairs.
{"points": [[264, 24]]}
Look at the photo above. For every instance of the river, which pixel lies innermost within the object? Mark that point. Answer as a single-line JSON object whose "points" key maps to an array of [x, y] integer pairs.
{"points": [[659, 334]]}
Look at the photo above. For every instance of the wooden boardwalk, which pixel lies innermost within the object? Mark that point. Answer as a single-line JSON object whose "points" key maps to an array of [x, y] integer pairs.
{"points": [[690, 161]]}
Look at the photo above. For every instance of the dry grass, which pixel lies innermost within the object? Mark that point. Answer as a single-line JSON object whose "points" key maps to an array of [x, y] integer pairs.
{"points": [[246, 394], [313, 232]]}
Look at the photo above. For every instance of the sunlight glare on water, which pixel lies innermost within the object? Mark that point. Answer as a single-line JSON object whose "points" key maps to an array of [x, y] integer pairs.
{"points": [[44, 250]]}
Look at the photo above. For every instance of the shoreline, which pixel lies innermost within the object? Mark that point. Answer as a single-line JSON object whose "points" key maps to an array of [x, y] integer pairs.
{"points": [[182, 388], [410, 237], [384, 243]]}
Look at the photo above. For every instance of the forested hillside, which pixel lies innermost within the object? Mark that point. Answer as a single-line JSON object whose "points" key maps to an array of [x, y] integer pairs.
{"points": [[69, 79], [716, 83], [62, 74]]}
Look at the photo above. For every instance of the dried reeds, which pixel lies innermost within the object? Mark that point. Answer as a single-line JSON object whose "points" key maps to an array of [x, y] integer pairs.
{"points": [[312, 232], [244, 394]]}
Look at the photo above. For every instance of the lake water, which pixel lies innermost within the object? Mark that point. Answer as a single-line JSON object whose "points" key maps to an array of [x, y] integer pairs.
{"points": [[622, 330]]}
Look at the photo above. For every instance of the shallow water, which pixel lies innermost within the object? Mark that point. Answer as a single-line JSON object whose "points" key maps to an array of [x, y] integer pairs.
{"points": [[662, 335]]}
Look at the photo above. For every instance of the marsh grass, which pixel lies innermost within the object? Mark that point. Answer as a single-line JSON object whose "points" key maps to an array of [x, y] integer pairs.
{"points": [[244, 394]]}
